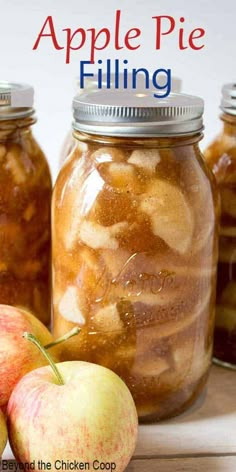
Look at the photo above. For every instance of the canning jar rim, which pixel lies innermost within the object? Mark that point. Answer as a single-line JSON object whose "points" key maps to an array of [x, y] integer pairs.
{"points": [[16, 100], [228, 100], [151, 141], [15, 113]]}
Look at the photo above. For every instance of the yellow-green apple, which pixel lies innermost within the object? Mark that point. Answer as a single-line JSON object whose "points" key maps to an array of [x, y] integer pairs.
{"points": [[17, 357], [3, 433], [80, 412]]}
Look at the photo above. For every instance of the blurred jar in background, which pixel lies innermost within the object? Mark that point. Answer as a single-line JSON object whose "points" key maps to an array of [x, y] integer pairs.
{"points": [[221, 157], [25, 195], [91, 84]]}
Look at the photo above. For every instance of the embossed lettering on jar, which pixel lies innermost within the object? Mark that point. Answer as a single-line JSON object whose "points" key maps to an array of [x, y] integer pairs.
{"points": [[25, 194], [135, 246]]}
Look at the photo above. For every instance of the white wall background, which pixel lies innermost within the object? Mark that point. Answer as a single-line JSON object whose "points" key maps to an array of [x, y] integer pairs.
{"points": [[202, 72]]}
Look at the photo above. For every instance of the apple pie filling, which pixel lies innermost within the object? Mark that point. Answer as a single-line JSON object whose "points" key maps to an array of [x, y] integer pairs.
{"points": [[134, 265], [221, 157], [25, 193]]}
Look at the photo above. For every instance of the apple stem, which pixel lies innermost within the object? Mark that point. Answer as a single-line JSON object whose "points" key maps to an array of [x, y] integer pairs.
{"points": [[76, 330], [30, 337]]}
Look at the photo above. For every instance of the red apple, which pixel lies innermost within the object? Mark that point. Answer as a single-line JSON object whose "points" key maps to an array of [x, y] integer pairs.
{"points": [[17, 357], [3, 433], [90, 418]]}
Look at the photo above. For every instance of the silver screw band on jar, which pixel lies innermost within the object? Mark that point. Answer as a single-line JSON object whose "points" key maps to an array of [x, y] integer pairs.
{"points": [[228, 101], [137, 114], [16, 100]]}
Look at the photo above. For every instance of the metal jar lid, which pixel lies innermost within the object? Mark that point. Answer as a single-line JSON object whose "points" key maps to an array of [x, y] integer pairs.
{"points": [[228, 101], [16, 100], [126, 113]]}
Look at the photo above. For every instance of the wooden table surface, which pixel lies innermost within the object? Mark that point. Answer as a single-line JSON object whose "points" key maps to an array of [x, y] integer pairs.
{"points": [[202, 439]]}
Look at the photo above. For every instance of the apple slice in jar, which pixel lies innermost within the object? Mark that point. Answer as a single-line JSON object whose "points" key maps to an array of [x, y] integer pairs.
{"points": [[85, 269], [188, 366], [15, 164], [145, 159], [98, 236], [190, 352], [107, 320], [149, 366], [161, 329], [170, 214], [197, 185], [225, 168], [108, 154], [222, 146], [73, 206], [124, 356], [76, 348], [115, 265], [192, 358], [69, 306], [117, 319], [71, 310], [122, 177], [74, 284], [113, 331]]}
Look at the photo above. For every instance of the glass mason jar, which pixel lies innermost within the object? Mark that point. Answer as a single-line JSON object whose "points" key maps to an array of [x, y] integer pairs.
{"points": [[221, 157], [25, 193], [135, 246]]}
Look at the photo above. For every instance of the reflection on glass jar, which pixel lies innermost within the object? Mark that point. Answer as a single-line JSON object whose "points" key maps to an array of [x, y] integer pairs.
{"points": [[135, 247], [25, 193], [91, 85], [221, 157]]}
